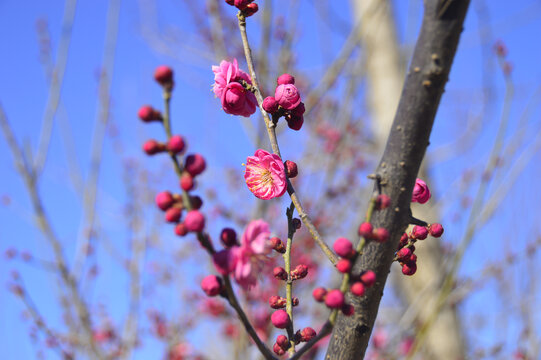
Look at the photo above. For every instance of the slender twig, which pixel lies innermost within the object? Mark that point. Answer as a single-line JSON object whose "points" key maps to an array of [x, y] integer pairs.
{"points": [[231, 298], [91, 186], [38, 319], [289, 282], [274, 144], [46, 228], [55, 86]]}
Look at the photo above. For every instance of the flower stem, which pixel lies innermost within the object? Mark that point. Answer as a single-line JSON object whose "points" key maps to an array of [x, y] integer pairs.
{"points": [[289, 283]]}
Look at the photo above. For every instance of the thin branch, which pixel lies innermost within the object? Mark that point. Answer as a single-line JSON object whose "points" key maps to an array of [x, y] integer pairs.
{"points": [[55, 86], [90, 191], [271, 131], [45, 226]]}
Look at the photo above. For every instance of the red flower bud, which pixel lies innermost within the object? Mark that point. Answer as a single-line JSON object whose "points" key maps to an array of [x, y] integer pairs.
{"points": [[152, 147], [436, 230], [285, 79], [365, 230], [194, 221], [299, 272], [343, 247], [280, 319], [173, 215], [270, 105], [319, 294], [186, 182], [409, 268], [295, 122], [419, 232], [175, 144], [344, 266], [277, 245], [228, 237], [164, 75], [381, 235], [357, 288], [164, 200], [280, 273], [181, 229], [250, 9], [334, 299], [307, 334], [147, 113], [211, 285], [368, 278], [277, 302], [196, 202], [348, 309], [383, 201], [404, 253], [291, 169], [404, 239], [282, 341], [277, 349], [194, 164]]}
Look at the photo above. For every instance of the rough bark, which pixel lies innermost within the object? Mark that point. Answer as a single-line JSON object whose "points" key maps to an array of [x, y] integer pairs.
{"points": [[385, 77], [398, 168]]}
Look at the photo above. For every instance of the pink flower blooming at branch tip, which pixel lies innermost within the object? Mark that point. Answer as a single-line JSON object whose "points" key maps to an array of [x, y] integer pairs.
{"points": [[421, 193], [225, 73], [287, 96], [236, 100], [265, 175]]}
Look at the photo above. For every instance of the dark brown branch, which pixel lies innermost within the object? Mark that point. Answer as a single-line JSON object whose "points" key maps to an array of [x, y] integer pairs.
{"points": [[406, 146]]}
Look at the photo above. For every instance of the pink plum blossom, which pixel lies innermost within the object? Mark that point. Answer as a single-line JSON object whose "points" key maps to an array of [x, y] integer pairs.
{"points": [[247, 260], [287, 96], [225, 73], [250, 255], [421, 193], [265, 175], [236, 100]]}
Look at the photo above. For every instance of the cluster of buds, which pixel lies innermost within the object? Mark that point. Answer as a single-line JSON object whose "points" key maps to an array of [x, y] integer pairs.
{"points": [[335, 299], [282, 343], [193, 165], [247, 7], [298, 273], [367, 231], [172, 204], [406, 248], [278, 302], [286, 102]]}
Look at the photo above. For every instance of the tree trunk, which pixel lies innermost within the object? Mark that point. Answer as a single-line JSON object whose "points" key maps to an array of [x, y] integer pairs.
{"points": [[385, 78], [407, 143]]}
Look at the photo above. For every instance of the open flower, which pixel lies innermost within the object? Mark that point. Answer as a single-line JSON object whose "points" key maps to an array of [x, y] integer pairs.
{"points": [[247, 260], [250, 255], [236, 100], [421, 193], [265, 175]]}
